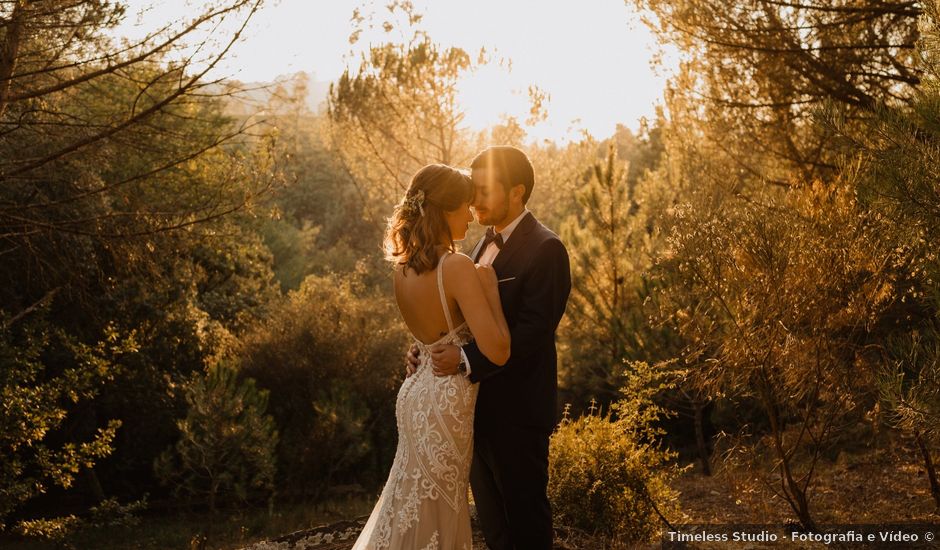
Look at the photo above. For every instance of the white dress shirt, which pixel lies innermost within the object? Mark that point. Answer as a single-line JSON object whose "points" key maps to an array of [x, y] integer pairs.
{"points": [[489, 255]]}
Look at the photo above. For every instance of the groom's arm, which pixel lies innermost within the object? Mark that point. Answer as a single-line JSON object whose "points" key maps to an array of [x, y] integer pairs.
{"points": [[544, 295]]}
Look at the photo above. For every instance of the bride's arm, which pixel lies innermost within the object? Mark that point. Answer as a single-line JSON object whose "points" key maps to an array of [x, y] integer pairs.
{"points": [[477, 296], [491, 289]]}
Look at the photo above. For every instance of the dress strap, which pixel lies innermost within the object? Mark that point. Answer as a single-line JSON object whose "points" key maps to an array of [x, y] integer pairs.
{"points": [[440, 289]]}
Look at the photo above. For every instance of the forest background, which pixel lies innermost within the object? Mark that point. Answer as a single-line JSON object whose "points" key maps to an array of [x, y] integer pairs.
{"points": [[197, 321]]}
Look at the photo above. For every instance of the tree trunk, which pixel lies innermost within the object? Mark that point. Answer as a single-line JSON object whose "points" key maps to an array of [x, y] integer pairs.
{"points": [[93, 484], [931, 470], [9, 51], [213, 489], [792, 492], [700, 437]]}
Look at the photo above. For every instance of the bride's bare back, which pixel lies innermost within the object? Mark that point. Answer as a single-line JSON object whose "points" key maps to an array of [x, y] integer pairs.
{"points": [[470, 292], [420, 304]]}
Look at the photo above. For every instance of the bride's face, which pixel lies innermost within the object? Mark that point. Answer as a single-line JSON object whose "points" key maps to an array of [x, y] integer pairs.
{"points": [[458, 221]]}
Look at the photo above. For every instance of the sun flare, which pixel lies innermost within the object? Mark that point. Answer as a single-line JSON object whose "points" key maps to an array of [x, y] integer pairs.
{"points": [[591, 60]]}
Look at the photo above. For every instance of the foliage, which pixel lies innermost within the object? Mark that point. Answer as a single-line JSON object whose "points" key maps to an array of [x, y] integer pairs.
{"points": [[108, 514], [612, 237], [125, 208], [607, 474], [319, 216], [753, 72], [227, 442], [910, 384], [777, 299], [111, 513], [37, 399], [54, 529], [799, 145], [559, 172], [399, 111], [102, 136], [897, 156], [330, 356]]}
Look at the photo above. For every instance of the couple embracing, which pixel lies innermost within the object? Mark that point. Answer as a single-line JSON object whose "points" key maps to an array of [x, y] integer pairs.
{"points": [[479, 403]]}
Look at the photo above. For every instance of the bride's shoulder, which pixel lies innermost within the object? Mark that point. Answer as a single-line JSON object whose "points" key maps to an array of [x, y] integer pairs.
{"points": [[459, 265], [458, 258]]}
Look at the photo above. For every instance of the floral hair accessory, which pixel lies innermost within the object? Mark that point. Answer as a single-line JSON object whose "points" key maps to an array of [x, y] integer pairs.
{"points": [[415, 202]]}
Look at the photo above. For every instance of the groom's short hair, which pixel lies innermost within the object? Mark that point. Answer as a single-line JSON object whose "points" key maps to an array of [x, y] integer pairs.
{"points": [[512, 166]]}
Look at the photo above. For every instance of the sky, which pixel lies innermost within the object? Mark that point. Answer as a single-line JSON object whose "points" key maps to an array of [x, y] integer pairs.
{"points": [[592, 57]]}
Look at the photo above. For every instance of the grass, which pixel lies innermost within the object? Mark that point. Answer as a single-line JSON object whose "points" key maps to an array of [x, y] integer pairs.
{"points": [[861, 483], [226, 532]]}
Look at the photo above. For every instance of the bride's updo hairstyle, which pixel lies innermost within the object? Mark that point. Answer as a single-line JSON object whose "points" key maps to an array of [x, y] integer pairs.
{"points": [[417, 228]]}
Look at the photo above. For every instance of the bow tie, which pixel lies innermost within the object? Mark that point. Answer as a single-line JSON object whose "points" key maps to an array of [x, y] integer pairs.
{"points": [[492, 237]]}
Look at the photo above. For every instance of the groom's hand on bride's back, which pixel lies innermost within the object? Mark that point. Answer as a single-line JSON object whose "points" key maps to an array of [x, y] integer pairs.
{"points": [[411, 360], [445, 358]]}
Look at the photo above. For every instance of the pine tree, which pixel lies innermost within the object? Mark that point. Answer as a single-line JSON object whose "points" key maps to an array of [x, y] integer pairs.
{"points": [[227, 442], [610, 244], [899, 154]]}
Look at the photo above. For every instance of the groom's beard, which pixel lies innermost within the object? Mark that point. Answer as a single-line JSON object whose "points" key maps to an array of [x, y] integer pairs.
{"points": [[494, 216]]}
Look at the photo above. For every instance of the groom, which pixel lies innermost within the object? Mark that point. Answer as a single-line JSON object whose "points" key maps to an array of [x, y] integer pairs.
{"points": [[516, 404]]}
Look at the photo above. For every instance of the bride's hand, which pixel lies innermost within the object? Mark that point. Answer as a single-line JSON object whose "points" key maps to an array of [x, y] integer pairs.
{"points": [[487, 276]]}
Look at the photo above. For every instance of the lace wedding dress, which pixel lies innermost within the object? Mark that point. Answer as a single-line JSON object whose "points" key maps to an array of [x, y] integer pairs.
{"points": [[424, 503]]}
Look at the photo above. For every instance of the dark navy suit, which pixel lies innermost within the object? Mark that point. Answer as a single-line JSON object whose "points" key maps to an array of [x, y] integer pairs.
{"points": [[517, 402]]}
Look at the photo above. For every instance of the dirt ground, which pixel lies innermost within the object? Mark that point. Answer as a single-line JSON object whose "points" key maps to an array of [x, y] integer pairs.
{"points": [[880, 485]]}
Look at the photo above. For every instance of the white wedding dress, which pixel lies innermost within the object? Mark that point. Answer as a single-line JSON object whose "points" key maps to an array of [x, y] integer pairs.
{"points": [[424, 503]]}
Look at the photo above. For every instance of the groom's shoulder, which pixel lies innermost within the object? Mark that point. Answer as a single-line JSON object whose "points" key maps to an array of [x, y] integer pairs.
{"points": [[542, 234], [545, 247]]}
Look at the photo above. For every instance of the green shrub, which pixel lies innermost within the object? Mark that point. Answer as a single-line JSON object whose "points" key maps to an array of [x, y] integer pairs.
{"points": [[332, 356], [607, 476], [227, 441], [46, 375]]}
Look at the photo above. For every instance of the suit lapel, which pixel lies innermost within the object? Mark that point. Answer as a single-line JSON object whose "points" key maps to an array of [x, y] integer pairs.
{"points": [[514, 243]]}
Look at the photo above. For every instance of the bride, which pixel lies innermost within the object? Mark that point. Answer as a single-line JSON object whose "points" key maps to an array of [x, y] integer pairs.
{"points": [[444, 299]]}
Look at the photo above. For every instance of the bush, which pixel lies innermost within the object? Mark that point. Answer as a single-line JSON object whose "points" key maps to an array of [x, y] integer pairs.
{"points": [[332, 356], [226, 441], [605, 474], [46, 375]]}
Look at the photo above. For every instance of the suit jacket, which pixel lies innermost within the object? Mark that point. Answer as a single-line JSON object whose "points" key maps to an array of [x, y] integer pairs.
{"points": [[524, 391]]}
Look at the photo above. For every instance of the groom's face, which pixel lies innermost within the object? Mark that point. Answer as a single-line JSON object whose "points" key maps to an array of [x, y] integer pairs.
{"points": [[490, 201]]}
